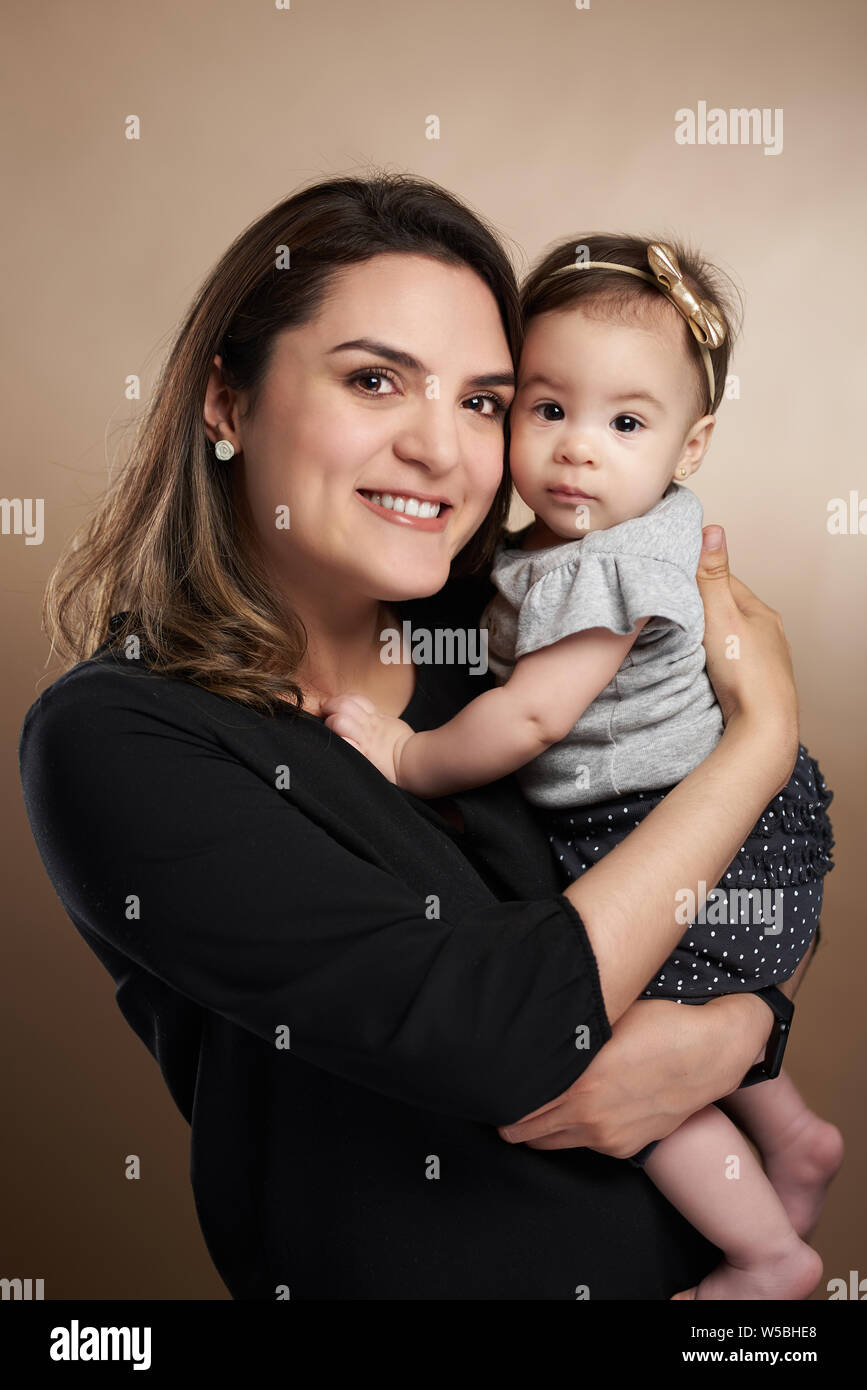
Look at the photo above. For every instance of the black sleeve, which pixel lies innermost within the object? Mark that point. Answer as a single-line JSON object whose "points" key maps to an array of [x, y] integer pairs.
{"points": [[189, 863]]}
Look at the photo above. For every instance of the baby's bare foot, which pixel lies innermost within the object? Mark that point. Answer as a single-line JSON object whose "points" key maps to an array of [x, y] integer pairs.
{"points": [[802, 1166], [791, 1272]]}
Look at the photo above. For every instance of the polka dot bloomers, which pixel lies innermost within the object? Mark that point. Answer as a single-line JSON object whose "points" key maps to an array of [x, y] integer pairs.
{"points": [[740, 940]]}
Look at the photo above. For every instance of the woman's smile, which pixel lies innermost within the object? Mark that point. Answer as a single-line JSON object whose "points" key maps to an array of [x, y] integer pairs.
{"points": [[407, 509]]}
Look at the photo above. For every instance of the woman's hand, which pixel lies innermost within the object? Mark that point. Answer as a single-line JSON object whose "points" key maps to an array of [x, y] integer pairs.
{"points": [[663, 1062], [380, 737], [749, 660]]}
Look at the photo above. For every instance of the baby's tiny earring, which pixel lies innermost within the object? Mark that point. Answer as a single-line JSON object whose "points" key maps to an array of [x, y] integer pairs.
{"points": [[224, 450], [682, 471]]}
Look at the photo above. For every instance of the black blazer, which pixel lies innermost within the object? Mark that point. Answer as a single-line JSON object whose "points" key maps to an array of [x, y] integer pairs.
{"points": [[345, 994]]}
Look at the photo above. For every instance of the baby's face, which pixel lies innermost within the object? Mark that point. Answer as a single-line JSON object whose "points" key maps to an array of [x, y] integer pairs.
{"points": [[603, 407]]}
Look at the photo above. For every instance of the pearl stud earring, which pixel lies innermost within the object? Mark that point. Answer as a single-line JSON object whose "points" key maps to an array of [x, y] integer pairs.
{"points": [[682, 470]]}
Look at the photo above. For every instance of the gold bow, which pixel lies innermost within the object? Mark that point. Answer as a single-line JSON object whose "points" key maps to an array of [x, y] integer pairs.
{"points": [[702, 315]]}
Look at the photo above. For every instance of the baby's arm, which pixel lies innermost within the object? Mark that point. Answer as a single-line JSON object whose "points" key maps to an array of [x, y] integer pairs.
{"points": [[498, 732]]}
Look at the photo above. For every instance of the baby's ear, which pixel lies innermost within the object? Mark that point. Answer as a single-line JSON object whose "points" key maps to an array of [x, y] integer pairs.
{"points": [[696, 445]]}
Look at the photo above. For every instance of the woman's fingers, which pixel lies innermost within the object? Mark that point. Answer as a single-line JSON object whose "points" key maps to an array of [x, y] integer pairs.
{"points": [[713, 562], [541, 1130], [748, 658], [721, 591], [722, 614], [721, 611], [713, 572], [563, 1139]]}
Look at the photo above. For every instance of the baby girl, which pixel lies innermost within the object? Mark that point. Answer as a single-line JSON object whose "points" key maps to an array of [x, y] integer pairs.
{"points": [[602, 702]]}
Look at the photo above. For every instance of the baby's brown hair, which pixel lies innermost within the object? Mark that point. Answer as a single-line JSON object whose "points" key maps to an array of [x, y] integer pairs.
{"points": [[625, 295]]}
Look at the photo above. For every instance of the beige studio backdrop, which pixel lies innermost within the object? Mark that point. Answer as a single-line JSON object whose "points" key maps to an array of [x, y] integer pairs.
{"points": [[551, 119]]}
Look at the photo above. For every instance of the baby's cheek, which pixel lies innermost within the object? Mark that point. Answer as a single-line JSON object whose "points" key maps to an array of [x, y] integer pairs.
{"points": [[520, 458]]}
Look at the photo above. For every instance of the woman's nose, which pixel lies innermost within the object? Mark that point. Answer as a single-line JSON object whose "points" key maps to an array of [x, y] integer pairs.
{"points": [[430, 436]]}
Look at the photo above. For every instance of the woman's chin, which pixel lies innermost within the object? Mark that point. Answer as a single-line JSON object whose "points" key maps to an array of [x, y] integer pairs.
{"points": [[421, 587], [404, 581]]}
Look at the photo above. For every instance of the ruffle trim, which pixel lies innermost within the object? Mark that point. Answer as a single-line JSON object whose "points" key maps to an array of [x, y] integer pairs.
{"points": [[804, 821], [798, 814], [604, 590], [791, 866]]}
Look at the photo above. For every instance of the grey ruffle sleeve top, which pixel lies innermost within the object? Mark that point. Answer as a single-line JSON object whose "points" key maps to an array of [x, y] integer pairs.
{"points": [[658, 718]]}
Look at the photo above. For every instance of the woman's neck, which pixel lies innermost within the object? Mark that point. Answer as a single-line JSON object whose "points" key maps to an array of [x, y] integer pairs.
{"points": [[344, 653]]}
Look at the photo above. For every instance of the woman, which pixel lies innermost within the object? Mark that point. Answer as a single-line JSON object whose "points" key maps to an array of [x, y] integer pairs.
{"points": [[355, 995]]}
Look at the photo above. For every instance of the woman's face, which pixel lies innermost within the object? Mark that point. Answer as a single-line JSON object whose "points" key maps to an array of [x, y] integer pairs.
{"points": [[397, 389]]}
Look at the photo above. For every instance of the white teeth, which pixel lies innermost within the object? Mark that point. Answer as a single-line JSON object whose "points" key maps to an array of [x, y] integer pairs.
{"points": [[410, 505]]}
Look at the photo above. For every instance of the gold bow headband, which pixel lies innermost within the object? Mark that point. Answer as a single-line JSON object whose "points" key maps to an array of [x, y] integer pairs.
{"points": [[702, 315]]}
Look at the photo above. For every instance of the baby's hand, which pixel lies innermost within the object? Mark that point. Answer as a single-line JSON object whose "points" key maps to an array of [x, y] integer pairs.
{"points": [[380, 737]]}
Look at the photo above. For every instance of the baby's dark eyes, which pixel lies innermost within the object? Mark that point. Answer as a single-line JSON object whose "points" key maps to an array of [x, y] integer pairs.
{"points": [[623, 424], [627, 424]]}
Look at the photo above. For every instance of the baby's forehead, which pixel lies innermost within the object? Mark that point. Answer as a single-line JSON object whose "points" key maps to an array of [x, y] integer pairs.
{"points": [[651, 321], [634, 311], [661, 356]]}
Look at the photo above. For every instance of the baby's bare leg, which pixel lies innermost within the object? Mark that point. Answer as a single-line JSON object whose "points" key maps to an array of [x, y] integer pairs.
{"points": [[800, 1150], [707, 1171]]}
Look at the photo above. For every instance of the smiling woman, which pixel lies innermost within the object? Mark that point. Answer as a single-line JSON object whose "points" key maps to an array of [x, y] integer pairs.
{"points": [[349, 989], [331, 425], [408, 509], [325, 440], [382, 361]]}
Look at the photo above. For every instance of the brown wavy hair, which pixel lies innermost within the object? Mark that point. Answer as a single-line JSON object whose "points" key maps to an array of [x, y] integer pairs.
{"points": [[607, 292], [165, 547]]}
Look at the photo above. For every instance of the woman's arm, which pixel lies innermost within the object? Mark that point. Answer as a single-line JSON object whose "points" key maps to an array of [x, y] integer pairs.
{"points": [[627, 901], [499, 731], [663, 1062], [326, 912]]}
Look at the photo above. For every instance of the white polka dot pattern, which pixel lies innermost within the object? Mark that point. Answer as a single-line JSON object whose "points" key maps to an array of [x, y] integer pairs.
{"points": [[748, 939]]}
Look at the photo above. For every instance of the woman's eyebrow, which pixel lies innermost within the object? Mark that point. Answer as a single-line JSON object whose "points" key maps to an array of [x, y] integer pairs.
{"points": [[405, 359]]}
